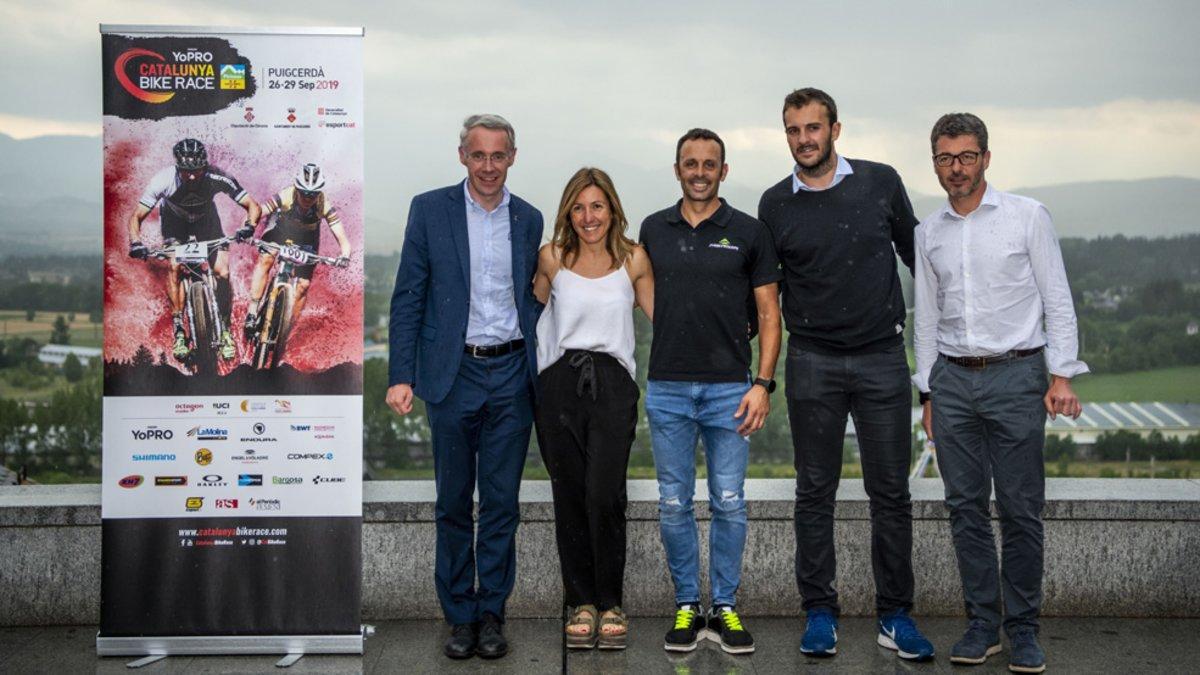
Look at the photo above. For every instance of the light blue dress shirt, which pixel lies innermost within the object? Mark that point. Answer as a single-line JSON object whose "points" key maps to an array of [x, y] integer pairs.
{"points": [[843, 169], [492, 318]]}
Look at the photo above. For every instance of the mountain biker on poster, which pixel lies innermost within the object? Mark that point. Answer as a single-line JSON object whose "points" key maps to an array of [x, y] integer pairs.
{"points": [[185, 196], [295, 213]]}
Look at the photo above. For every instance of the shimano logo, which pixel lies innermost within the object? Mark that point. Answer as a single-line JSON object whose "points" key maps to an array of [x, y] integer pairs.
{"points": [[154, 457]]}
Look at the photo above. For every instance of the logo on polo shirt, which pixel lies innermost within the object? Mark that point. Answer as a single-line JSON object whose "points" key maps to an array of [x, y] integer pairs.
{"points": [[724, 243]]}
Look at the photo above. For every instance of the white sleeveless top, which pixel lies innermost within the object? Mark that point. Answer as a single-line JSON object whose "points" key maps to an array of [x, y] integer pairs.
{"points": [[591, 314]]}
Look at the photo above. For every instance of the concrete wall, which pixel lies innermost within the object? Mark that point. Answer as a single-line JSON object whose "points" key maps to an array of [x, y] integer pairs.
{"points": [[1113, 548]]}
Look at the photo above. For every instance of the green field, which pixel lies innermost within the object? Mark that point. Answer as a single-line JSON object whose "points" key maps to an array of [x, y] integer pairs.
{"points": [[1168, 385], [83, 333], [38, 395]]}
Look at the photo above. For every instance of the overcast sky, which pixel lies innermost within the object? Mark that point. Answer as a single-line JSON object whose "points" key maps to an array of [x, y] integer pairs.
{"points": [[1071, 91]]}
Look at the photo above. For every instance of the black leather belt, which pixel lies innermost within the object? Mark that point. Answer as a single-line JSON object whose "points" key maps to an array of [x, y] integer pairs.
{"points": [[985, 361], [494, 350]]}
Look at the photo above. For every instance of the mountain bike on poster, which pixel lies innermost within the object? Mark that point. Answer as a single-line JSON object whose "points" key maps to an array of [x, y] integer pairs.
{"points": [[202, 324], [275, 309]]}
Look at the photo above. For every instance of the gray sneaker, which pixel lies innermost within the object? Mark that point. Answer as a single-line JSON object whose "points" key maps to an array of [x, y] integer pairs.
{"points": [[976, 645], [1027, 655]]}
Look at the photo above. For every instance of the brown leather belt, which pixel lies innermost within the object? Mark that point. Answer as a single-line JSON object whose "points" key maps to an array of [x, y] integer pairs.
{"points": [[985, 361], [483, 352]]}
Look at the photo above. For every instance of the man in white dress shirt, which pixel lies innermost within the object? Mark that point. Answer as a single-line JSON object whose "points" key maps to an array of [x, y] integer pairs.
{"points": [[993, 315]]}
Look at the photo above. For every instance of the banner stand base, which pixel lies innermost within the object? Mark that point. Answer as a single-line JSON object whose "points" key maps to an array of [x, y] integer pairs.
{"points": [[212, 645]]}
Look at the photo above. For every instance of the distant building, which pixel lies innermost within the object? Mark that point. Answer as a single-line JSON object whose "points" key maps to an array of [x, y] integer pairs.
{"points": [[1107, 300], [49, 277], [56, 355], [1172, 420]]}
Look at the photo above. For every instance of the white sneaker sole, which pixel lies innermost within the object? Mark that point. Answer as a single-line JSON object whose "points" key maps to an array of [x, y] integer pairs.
{"points": [[1027, 669], [885, 641], [991, 651], [681, 648], [728, 649]]}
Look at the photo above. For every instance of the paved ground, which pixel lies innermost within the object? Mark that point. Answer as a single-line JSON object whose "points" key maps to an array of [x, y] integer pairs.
{"points": [[1072, 645]]}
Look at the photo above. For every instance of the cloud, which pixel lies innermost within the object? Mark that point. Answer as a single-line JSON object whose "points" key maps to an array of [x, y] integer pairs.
{"points": [[1121, 139], [21, 128]]}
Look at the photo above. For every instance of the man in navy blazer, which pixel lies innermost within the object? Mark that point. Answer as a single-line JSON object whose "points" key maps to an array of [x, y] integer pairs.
{"points": [[461, 337]]}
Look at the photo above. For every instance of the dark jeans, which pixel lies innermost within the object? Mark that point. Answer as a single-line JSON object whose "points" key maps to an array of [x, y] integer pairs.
{"points": [[484, 424], [874, 389], [586, 418], [989, 427]]}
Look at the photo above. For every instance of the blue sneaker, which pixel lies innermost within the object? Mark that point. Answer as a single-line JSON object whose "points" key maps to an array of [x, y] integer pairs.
{"points": [[976, 645], [820, 633], [899, 633], [1027, 655]]}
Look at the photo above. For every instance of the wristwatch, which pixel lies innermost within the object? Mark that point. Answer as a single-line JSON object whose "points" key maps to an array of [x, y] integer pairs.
{"points": [[769, 385], [923, 397]]}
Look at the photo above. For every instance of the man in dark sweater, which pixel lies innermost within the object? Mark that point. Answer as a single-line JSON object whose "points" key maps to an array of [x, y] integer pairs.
{"points": [[838, 225]]}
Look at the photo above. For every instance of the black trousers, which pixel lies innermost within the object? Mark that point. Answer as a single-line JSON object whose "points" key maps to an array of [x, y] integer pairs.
{"points": [[874, 389], [586, 418]]}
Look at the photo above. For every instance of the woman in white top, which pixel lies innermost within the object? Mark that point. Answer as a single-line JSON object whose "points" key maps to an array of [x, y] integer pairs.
{"points": [[590, 276]]}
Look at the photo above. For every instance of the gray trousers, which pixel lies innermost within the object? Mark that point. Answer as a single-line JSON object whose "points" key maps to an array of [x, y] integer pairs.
{"points": [[989, 428]]}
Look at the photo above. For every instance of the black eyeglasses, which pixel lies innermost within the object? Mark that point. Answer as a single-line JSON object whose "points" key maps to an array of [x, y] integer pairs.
{"points": [[307, 194], [967, 158]]}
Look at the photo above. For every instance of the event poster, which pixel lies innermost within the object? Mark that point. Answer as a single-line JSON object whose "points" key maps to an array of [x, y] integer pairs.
{"points": [[233, 260]]}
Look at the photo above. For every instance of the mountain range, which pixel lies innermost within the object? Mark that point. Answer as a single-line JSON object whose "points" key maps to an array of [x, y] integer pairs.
{"points": [[51, 188]]}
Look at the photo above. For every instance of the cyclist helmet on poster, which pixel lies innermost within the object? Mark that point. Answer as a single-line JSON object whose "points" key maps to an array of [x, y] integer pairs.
{"points": [[294, 216], [185, 194], [190, 155]]}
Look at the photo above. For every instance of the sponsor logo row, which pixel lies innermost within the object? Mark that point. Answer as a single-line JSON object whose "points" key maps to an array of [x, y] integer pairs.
{"points": [[205, 456], [279, 406], [258, 433], [218, 480], [195, 504]]}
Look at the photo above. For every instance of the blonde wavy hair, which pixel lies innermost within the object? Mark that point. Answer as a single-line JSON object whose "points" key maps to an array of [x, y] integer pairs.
{"points": [[619, 246]]}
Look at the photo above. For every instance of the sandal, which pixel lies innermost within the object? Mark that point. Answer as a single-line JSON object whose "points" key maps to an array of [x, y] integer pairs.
{"points": [[583, 615], [614, 639]]}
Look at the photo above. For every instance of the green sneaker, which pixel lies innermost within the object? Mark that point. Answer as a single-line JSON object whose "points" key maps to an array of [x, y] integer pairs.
{"points": [[181, 349], [228, 350], [684, 635], [724, 627]]}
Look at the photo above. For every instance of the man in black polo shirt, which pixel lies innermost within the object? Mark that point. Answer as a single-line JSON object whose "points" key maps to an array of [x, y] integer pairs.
{"points": [[709, 261], [837, 225]]}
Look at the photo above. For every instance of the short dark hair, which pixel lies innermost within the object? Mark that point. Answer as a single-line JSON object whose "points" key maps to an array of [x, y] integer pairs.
{"points": [[699, 134], [802, 97], [959, 124]]}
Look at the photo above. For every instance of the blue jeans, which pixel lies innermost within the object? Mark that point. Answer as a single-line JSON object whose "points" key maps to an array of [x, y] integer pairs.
{"points": [[680, 413]]}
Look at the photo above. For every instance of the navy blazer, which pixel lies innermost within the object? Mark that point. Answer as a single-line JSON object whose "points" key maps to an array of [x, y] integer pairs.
{"points": [[428, 327]]}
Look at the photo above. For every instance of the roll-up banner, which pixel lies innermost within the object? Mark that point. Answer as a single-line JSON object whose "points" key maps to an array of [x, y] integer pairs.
{"points": [[233, 285]]}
